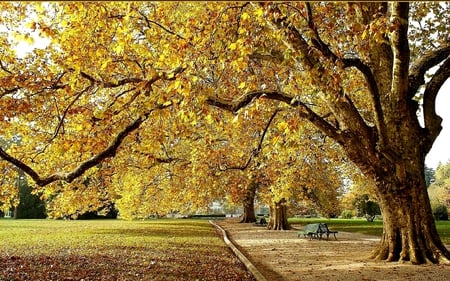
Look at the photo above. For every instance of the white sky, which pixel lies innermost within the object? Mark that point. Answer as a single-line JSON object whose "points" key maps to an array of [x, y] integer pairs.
{"points": [[440, 152]]}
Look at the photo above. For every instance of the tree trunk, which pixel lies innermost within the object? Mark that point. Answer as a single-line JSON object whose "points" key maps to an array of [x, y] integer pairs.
{"points": [[278, 216], [248, 203], [409, 231]]}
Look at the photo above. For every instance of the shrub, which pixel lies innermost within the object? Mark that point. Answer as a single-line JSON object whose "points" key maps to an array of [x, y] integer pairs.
{"points": [[440, 212], [347, 214]]}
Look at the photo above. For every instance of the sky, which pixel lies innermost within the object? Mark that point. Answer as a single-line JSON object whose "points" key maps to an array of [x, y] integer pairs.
{"points": [[440, 152]]}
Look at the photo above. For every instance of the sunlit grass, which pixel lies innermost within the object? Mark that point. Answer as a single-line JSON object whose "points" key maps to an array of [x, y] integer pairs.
{"points": [[365, 227], [115, 250]]}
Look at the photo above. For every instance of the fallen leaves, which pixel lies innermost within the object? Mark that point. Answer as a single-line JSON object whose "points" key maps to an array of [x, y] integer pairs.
{"points": [[115, 250]]}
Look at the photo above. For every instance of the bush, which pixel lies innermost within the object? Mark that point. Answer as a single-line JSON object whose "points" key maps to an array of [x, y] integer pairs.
{"points": [[347, 214], [440, 212]]}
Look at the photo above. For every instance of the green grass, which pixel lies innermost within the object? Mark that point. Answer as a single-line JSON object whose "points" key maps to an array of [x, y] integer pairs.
{"points": [[365, 227], [115, 250]]}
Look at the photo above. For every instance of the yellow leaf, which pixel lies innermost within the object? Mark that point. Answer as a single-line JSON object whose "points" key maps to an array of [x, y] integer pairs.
{"points": [[282, 126], [245, 16], [259, 12], [364, 35], [177, 84], [209, 119], [232, 46], [242, 85]]}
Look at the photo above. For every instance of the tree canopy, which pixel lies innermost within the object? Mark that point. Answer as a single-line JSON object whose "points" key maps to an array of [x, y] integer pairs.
{"points": [[128, 97]]}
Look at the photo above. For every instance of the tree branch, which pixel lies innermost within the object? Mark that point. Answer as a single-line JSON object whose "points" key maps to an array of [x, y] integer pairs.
{"points": [[374, 93], [428, 60], [304, 112], [432, 120], [400, 49], [108, 152], [256, 151]]}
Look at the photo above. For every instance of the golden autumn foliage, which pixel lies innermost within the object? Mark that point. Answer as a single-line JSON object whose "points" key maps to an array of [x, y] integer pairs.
{"points": [[149, 104]]}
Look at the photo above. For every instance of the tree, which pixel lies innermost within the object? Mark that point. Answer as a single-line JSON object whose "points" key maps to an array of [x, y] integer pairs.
{"points": [[367, 207], [429, 175], [439, 192], [357, 72], [30, 205]]}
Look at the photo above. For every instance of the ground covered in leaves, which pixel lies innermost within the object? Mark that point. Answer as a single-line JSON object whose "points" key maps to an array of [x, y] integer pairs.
{"points": [[115, 250], [282, 256]]}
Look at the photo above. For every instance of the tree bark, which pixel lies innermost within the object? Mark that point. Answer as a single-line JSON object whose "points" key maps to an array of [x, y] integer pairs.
{"points": [[248, 204], [278, 216], [409, 230]]}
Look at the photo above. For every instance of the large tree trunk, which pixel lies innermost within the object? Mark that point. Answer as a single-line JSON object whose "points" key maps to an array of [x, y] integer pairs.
{"points": [[409, 231], [248, 203], [278, 216]]}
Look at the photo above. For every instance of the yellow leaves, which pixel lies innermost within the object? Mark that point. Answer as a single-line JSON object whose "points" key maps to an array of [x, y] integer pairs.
{"points": [[284, 127], [242, 85], [232, 46], [259, 12], [24, 38], [119, 48]]}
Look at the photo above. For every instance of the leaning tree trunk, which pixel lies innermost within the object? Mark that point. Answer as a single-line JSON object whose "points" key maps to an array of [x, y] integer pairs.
{"points": [[409, 231], [278, 216], [248, 203]]}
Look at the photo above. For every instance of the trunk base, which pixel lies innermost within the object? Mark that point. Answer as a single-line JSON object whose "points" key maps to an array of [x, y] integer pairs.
{"points": [[278, 216]]}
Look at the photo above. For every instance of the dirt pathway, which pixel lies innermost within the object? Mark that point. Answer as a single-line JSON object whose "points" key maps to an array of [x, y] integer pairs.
{"points": [[282, 256]]}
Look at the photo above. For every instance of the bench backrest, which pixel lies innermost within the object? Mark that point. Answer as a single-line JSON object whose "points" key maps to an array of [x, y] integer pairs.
{"points": [[312, 227], [323, 228]]}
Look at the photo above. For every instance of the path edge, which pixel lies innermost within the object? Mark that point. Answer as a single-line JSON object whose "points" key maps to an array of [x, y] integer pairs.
{"points": [[248, 264]]}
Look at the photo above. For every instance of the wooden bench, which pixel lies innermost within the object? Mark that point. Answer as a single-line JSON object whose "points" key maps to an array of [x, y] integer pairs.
{"points": [[310, 230], [316, 230], [323, 229]]}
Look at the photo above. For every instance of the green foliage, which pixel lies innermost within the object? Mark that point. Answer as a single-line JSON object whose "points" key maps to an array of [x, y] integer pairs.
{"points": [[347, 214], [115, 250], [429, 176], [30, 206], [439, 190], [440, 212]]}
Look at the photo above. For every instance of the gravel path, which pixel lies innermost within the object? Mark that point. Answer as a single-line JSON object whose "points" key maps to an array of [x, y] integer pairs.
{"points": [[282, 256]]}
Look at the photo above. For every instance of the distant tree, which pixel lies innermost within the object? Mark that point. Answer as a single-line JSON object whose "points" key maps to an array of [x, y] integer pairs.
{"points": [[367, 207], [429, 175], [30, 206], [439, 192]]}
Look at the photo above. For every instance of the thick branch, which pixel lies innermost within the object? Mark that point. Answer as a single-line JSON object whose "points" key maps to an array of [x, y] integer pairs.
{"points": [[432, 120], [423, 64], [400, 49], [304, 112], [374, 93], [317, 40], [108, 152]]}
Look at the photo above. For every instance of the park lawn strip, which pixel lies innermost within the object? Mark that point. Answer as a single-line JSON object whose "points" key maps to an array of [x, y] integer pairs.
{"points": [[115, 250], [364, 227]]}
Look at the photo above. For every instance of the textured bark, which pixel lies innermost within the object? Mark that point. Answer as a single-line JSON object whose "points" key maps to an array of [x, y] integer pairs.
{"points": [[409, 231], [248, 203], [278, 216]]}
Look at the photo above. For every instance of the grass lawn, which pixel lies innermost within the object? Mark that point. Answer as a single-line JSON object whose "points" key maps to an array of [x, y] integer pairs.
{"points": [[115, 250], [365, 227]]}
